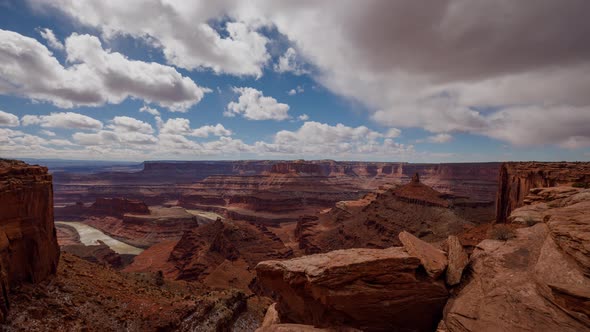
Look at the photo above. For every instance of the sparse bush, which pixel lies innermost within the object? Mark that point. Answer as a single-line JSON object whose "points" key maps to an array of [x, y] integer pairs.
{"points": [[502, 233], [584, 185]]}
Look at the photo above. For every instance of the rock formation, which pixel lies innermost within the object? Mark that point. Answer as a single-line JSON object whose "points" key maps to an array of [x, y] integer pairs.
{"points": [[219, 254], [368, 289], [537, 281], [83, 296], [272, 191], [376, 220], [28, 243], [516, 179], [458, 260]]}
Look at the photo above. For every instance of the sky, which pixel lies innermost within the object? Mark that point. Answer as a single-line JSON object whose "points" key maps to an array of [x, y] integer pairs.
{"points": [[375, 80]]}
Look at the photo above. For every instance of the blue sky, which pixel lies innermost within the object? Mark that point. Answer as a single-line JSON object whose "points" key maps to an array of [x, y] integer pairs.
{"points": [[264, 81]]}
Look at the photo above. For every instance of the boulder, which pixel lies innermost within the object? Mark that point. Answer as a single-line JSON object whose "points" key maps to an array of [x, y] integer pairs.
{"points": [[433, 260], [523, 284], [458, 260], [368, 289]]}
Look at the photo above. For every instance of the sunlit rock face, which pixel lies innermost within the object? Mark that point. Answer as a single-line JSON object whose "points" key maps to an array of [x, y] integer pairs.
{"points": [[539, 279], [28, 242], [516, 179]]}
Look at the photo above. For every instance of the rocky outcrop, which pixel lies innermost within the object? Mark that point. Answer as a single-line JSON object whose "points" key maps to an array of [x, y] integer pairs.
{"points": [[458, 260], [298, 167], [376, 220], [83, 296], [226, 251], [28, 242], [434, 260], [368, 289], [536, 281], [284, 190], [100, 254], [516, 179]]}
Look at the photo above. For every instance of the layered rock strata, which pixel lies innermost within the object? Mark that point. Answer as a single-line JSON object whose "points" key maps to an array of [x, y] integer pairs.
{"points": [[28, 242], [516, 179], [369, 289]]}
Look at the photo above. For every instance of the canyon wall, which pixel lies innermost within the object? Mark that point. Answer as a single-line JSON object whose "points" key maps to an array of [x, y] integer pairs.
{"points": [[28, 242], [518, 178]]}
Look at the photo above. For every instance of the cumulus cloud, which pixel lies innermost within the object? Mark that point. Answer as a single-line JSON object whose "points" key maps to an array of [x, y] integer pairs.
{"points": [[129, 124], [453, 66], [438, 138], [8, 119], [303, 117], [51, 39], [181, 29], [217, 130], [289, 62], [68, 120], [95, 76], [393, 133], [149, 110], [109, 138], [181, 126], [295, 91], [317, 139], [253, 105], [47, 132]]}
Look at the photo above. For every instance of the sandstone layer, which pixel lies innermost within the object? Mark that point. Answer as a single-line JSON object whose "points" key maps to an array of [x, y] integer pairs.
{"points": [[28, 243], [376, 220], [516, 179], [83, 296], [368, 289], [271, 191], [536, 281]]}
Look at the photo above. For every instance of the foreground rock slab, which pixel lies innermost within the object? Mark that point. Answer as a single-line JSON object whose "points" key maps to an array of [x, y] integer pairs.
{"points": [[458, 260], [512, 287], [434, 260], [368, 289]]}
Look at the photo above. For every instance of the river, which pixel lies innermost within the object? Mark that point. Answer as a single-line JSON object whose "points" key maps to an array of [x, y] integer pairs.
{"points": [[90, 235]]}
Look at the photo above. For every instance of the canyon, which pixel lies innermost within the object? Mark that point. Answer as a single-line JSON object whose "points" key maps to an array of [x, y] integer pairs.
{"points": [[296, 246]]}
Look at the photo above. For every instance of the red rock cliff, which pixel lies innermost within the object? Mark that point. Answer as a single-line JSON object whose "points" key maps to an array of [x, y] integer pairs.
{"points": [[28, 243], [517, 179]]}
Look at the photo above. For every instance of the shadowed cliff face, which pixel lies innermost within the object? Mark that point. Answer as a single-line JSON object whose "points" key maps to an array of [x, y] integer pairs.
{"points": [[28, 243], [517, 179]]}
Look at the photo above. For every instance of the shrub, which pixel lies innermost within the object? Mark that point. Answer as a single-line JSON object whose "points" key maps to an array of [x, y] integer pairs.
{"points": [[502, 233], [581, 185]]}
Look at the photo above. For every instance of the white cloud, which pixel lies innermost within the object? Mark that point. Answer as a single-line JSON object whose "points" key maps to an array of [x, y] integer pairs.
{"points": [[181, 126], [67, 120], [180, 29], [289, 62], [149, 110], [128, 124], [217, 130], [47, 132], [8, 119], [393, 133], [51, 39], [295, 91], [439, 138], [95, 76], [303, 117], [253, 105], [107, 138], [459, 70], [320, 139]]}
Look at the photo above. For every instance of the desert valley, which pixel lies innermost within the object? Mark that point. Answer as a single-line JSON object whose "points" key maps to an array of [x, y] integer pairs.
{"points": [[294, 166], [295, 246]]}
